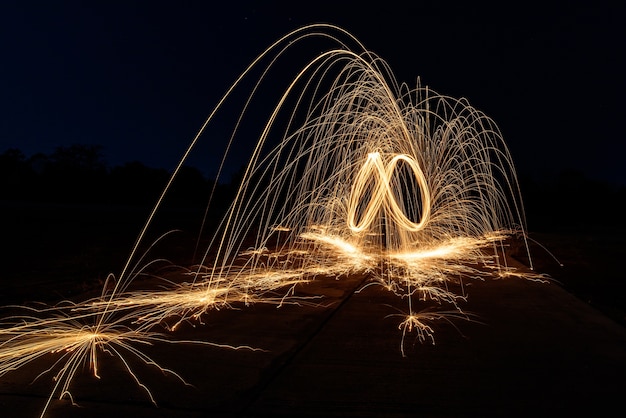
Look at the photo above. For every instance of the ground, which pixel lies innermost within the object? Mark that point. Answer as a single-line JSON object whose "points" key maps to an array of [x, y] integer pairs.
{"points": [[530, 346]]}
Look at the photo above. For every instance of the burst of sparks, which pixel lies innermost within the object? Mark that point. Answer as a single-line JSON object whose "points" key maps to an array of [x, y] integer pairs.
{"points": [[365, 176]]}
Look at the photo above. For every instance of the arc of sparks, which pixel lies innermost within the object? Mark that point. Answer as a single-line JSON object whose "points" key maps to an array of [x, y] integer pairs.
{"points": [[437, 182]]}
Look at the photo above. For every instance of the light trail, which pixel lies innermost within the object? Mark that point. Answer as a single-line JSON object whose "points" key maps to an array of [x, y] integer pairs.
{"points": [[382, 196], [352, 173]]}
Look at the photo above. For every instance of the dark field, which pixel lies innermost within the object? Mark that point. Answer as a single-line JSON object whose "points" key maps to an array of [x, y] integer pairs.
{"points": [[55, 251]]}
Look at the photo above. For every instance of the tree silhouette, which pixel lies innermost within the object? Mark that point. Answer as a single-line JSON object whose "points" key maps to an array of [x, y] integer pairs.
{"points": [[136, 184], [75, 174], [16, 175]]}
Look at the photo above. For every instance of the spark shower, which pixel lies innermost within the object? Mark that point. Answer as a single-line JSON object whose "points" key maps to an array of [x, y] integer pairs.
{"points": [[351, 173]]}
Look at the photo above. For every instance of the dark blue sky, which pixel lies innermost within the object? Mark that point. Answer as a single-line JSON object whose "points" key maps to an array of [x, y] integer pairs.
{"points": [[139, 78]]}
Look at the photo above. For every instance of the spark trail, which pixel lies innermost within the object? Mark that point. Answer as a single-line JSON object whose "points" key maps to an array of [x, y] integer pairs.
{"points": [[351, 173]]}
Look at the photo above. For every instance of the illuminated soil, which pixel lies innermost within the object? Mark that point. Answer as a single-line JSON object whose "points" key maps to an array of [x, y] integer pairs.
{"points": [[532, 347]]}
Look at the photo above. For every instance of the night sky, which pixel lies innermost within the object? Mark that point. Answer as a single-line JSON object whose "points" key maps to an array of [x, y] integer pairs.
{"points": [[139, 78]]}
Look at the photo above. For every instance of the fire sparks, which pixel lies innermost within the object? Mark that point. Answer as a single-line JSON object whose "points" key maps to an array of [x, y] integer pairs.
{"points": [[409, 187]]}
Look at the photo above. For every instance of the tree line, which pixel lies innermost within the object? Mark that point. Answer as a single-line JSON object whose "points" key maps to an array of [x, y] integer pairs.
{"points": [[78, 174]]}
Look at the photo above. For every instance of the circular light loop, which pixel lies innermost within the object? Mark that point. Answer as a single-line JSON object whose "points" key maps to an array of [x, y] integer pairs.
{"points": [[382, 195]]}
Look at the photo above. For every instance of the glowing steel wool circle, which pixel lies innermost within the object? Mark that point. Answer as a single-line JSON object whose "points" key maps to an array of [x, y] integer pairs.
{"points": [[382, 195]]}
